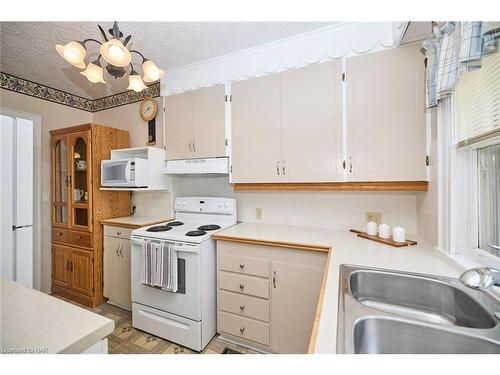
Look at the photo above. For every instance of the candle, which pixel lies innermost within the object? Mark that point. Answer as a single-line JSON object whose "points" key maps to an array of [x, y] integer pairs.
{"points": [[371, 228], [399, 234], [384, 231]]}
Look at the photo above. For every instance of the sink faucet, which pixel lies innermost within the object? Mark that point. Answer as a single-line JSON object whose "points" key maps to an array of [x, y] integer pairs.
{"points": [[481, 278]]}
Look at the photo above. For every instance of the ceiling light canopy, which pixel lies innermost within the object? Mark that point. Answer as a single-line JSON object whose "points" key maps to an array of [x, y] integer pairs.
{"points": [[117, 56]]}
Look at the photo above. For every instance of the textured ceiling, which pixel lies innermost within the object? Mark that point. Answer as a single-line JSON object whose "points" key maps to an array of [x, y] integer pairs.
{"points": [[27, 48]]}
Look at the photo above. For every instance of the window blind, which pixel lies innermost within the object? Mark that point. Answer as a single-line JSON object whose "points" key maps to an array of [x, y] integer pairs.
{"points": [[477, 104]]}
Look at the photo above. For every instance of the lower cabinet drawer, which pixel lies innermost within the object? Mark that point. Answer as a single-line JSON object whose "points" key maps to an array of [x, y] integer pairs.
{"points": [[60, 235], [254, 286], [245, 328], [81, 238], [242, 305], [117, 232]]}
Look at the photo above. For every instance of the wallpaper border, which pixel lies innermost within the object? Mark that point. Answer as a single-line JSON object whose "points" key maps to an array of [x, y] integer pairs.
{"points": [[26, 87]]}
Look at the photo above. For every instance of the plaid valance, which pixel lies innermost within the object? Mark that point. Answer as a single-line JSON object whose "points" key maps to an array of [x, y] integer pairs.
{"points": [[456, 48]]}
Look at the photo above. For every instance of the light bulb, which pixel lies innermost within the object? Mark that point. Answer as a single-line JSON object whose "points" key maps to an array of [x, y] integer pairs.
{"points": [[151, 71], [115, 53]]}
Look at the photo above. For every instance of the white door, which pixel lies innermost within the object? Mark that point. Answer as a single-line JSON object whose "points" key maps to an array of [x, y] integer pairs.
{"points": [[17, 199]]}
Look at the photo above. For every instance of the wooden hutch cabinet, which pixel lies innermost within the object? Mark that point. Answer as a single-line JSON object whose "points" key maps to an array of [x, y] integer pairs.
{"points": [[78, 206]]}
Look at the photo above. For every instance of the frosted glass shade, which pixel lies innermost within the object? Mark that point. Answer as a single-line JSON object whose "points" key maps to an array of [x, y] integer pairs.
{"points": [[94, 73], [73, 52], [115, 53], [135, 83], [151, 71]]}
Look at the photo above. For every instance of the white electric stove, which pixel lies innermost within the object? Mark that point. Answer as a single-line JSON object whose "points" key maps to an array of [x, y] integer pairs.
{"points": [[187, 317]]}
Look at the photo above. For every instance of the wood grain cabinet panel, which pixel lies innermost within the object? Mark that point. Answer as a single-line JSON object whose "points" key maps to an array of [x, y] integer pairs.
{"points": [[83, 239], [256, 129], [386, 131], [82, 271], [60, 235], [61, 256]]}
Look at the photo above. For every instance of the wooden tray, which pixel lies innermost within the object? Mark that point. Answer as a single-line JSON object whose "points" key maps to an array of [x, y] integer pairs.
{"points": [[386, 241]]}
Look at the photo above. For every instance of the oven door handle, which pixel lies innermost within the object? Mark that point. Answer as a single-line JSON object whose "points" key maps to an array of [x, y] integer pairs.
{"points": [[179, 248]]}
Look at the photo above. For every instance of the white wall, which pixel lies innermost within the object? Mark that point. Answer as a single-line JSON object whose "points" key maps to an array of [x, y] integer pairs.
{"points": [[334, 210]]}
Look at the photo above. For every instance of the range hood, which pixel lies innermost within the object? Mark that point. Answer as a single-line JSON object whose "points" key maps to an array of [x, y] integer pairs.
{"points": [[198, 166]]}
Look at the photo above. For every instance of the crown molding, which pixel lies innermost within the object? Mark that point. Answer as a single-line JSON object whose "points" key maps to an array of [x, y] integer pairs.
{"points": [[325, 44], [37, 90]]}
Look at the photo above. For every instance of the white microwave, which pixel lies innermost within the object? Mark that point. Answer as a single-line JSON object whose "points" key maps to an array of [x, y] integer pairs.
{"points": [[124, 173]]}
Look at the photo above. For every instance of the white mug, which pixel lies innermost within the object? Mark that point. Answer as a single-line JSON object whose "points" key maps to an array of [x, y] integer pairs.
{"points": [[371, 228], [78, 194]]}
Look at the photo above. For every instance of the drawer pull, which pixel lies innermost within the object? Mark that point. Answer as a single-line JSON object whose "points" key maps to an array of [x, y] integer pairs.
{"points": [[242, 286], [242, 307], [242, 329], [59, 233], [242, 266], [118, 233], [79, 236]]}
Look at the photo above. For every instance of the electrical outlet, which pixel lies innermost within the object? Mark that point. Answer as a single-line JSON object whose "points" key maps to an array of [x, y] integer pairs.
{"points": [[376, 217], [258, 213]]}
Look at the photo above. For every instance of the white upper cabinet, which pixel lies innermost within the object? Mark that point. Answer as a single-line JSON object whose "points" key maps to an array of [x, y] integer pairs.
{"points": [[195, 124], [256, 130], [386, 130], [287, 127], [312, 119]]}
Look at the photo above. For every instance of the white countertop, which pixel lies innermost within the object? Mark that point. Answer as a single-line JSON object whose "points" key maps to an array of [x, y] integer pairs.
{"points": [[135, 221], [32, 320], [346, 248]]}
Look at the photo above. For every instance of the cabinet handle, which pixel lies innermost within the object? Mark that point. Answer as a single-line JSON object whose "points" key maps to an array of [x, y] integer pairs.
{"points": [[242, 266], [79, 236], [59, 233], [116, 251], [283, 167], [194, 146], [67, 265], [70, 266], [190, 149], [350, 164], [242, 307], [121, 254], [242, 286], [118, 233], [274, 279], [278, 168], [242, 329]]}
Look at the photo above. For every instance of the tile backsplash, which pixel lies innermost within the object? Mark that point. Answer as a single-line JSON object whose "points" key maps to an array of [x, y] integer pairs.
{"points": [[152, 203], [334, 210]]}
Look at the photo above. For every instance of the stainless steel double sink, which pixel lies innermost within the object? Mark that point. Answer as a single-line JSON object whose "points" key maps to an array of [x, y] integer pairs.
{"points": [[391, 312]]}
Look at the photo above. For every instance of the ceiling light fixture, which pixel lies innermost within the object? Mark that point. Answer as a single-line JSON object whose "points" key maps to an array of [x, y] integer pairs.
{"points": [[115, 53]]}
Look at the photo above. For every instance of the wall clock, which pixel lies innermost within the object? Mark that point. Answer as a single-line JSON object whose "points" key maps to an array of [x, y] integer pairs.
{"points": [[148, 110]]}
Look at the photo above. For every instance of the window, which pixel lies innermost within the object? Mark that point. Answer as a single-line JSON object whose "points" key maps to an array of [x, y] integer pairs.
{"points": [[489, 199]]}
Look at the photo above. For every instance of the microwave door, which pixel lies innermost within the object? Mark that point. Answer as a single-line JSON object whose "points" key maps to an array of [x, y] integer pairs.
{"points": [[114, 173]]}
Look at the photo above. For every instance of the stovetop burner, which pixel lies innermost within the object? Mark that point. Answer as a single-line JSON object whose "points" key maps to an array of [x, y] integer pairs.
{"points": [[209, 227], [159, 228], [195, 233], [175, 223]]}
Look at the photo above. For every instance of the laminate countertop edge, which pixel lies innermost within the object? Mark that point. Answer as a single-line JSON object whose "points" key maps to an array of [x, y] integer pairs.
{"points": [[116, 222]]}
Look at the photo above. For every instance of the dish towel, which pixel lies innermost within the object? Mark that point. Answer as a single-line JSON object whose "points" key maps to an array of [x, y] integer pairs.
{"points": [[447, 73], [159, 265]]}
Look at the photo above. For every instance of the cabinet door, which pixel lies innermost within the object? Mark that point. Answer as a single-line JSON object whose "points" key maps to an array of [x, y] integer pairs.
{"points": [[82, 271], [123, 296], [179, 126], [80, 181], [60, 180], [111, 266], [209, 125], [294, 296], [61, 266], [312, 123], [386, 131], [256, 130]]}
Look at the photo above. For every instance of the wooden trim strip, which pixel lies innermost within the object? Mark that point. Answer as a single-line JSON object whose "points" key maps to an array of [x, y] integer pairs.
{"points": [[288, 245], [112, 223], [335, 186], [319, 307]]}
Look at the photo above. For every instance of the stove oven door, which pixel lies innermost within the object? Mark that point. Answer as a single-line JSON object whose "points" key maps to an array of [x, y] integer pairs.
{"points": [[187, 301]]}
